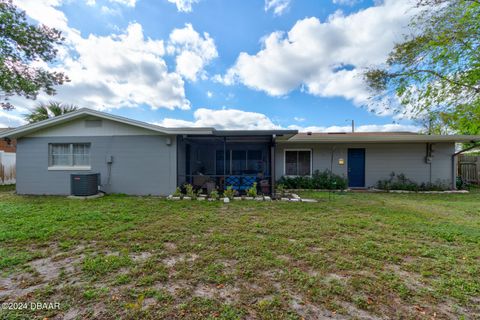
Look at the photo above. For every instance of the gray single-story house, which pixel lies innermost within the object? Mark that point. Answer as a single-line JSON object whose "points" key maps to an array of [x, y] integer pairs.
{"points": [[139, 158]]}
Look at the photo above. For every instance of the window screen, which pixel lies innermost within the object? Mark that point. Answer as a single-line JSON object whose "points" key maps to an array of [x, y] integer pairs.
{"points": [[69, 154], [297, 163], [239, 161]]}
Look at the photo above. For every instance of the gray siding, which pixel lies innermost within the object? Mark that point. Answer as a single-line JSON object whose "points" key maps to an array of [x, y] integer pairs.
{"points": [[142, 165], [380, 160]]}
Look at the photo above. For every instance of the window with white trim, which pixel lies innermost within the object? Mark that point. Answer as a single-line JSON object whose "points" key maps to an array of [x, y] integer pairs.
{"points": [[72, 155], [298, 162]]}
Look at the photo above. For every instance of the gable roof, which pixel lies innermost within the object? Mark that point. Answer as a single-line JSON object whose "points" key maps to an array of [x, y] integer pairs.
{"points": [[80, 113]]}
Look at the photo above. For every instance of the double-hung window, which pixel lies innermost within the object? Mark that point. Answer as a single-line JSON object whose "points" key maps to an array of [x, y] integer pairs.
{"points": [[298, 162], [69, 156]]}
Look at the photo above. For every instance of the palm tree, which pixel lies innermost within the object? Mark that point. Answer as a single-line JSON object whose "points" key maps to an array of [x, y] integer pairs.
{"points": [[45, 111]]}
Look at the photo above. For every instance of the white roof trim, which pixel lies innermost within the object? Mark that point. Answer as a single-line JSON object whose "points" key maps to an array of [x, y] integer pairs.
{"points": [[334, 138], [29, 128], [380, 138]]}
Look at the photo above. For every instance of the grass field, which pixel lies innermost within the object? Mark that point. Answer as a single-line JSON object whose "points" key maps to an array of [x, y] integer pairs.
{"points": [[359, 255]]}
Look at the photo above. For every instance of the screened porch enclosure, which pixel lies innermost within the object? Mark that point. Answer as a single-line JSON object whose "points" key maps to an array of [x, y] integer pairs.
{"points": [[217, 162]]}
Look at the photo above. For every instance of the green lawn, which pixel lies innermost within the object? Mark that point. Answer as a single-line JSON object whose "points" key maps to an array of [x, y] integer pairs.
{"points": [[348, 256]]}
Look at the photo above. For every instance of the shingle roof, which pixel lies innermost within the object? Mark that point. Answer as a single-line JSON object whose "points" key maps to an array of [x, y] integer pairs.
{"points": [[368, 137], [354, 134]]}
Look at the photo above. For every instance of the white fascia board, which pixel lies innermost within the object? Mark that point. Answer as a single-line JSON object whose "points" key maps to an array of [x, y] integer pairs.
{"points": [[390, 138], [29, 128]]}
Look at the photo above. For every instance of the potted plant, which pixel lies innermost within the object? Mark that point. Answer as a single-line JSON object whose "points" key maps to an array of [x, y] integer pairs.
{"points": [[177, 195], [189, 193], [229, 193], [213, 195], [252, 192]]}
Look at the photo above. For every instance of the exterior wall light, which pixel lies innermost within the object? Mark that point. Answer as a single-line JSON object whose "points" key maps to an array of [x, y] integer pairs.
{"points": [[341, 161]]}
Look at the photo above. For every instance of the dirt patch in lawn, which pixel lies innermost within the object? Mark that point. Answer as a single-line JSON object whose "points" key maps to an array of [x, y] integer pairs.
{"points": [[173, 287], [310, 311], [336, 277], [17, 286], [171, 261], [141, 256], [71, 314], [170, 246], [227, 293], [357, 313], [41, 272], [412, 280]]}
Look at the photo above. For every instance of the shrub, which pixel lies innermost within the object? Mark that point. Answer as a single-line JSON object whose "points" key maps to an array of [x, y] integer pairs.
{"points": [[252, 192], [280, 190], [229, 192], [189, 191], [177, 192], [401, 182], [214, 194], [462, 184], [319, 180]]}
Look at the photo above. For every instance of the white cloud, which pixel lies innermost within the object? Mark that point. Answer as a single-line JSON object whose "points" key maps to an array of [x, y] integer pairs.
{"points": [[346, 2], [277, 6], [110, 11], [324, 59], [129, 3], [193, 51], [234, 119], [298, 119], [45, 12], [209, 94], [8, 119], [184, 5], [122, 70], [125, 69], [390, 127]]}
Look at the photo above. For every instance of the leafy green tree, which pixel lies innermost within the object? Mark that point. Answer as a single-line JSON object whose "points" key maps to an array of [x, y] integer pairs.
{"points": [[432, 123], [465, 119], [22, 47], [435, 72], [49, 110]]}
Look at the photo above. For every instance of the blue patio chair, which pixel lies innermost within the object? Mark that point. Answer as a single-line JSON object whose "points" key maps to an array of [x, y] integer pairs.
{"points": [[233, 182], [247, 182]]}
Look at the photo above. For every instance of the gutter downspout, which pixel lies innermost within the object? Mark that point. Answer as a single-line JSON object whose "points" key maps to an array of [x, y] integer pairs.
{"points": [[225, 161], [454, 172], [272, 164]]}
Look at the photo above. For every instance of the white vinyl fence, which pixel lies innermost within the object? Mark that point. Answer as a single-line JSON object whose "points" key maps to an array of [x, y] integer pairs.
{"points": [[7, 167]]}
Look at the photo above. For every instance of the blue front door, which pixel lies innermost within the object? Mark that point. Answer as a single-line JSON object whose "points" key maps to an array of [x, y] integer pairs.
{"points": [[356, 168]]}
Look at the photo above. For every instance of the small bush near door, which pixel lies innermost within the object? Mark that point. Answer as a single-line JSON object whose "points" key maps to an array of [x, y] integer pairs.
{"points": [[401, 182], [462, 184], [319, 180]]}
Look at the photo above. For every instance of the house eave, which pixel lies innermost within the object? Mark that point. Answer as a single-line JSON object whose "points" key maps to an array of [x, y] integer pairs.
{"points": [[84, 112], [278, 133], [401, 138]]}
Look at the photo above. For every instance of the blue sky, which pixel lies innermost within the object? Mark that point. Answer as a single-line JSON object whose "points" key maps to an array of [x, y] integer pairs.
{"points": [[231, 64]]}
